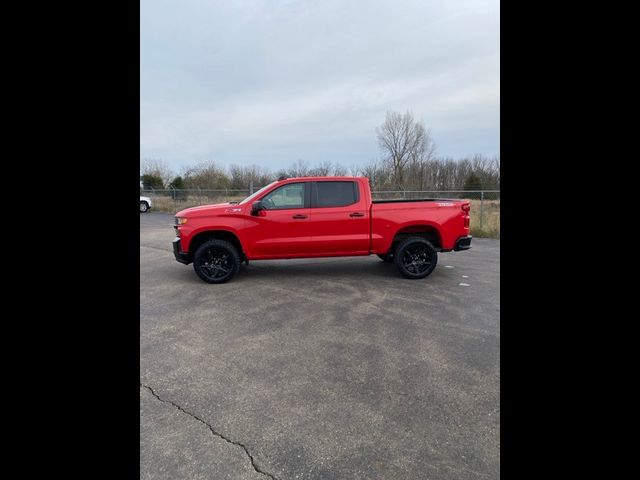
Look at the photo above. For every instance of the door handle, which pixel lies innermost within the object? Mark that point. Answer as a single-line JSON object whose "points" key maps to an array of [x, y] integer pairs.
{"points": [[299, 216], [356, 214]]}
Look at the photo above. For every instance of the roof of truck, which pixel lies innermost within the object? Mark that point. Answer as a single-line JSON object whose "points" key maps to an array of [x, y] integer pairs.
{"points": [[321, 177]]}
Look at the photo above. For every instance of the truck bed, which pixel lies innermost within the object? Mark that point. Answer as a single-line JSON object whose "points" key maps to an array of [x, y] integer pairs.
{"points": [[442, 216], [404, 200]]}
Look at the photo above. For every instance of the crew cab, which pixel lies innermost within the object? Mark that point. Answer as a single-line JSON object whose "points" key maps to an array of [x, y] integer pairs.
{"points": [[309, 217]]}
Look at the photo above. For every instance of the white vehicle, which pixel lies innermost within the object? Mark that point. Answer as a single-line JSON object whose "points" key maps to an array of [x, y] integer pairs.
{"points": [[145, 204]]}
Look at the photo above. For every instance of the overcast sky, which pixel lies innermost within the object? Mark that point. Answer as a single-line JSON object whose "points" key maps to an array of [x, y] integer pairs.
{"points": [[269, 82]]}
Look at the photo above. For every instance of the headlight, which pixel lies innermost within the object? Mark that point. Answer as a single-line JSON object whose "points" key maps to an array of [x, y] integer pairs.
{"points": [[181, 220]]}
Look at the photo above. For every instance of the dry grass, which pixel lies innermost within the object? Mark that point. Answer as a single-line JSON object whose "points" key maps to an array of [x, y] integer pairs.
{"points": [[490, 219], [490, 211]]}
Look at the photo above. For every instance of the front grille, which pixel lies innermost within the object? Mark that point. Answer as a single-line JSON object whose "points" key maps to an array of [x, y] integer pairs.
{"points": [[177, 231], [175, 220]]}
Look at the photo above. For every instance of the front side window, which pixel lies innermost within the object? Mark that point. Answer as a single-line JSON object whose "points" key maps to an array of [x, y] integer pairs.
{"points": [[335, 194], [287, 196]]}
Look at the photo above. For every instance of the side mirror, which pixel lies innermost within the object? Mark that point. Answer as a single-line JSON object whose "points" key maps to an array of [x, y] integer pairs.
{"points": [[256, 207]]}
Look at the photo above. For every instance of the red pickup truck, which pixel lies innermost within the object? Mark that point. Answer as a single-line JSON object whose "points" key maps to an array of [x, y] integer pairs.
{"points": [[319, 217]]}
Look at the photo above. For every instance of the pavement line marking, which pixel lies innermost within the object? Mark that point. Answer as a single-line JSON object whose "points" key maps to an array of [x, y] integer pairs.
{"points": [[464, 284], [465, 276], [448, 266]]}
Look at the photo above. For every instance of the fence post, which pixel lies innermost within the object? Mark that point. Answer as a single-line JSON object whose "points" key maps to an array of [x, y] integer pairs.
{"points": [[251, 187], [481, 207], [199, 196]]}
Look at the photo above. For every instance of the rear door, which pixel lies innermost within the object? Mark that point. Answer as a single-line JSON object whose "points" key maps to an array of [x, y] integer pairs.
{"points": [[283, 228], [339, 218]]}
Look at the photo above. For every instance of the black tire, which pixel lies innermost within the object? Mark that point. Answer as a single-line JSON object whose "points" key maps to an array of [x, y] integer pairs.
{"points": [[144, 207], [388, 258], [216, 261], [415, 258]]}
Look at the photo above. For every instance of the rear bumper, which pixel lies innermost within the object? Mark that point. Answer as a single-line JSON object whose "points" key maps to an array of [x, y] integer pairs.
{"points": [[182, 257], [463, 243]]}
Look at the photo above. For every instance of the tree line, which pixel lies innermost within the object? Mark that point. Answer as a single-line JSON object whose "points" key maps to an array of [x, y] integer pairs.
{"points": [[408, 162]]}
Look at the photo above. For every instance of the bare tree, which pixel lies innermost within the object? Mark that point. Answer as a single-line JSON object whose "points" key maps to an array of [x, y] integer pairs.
{"points": [[378, 176], [339, 170], [322, 169], [402, 140], [355, 170], [299, 169], [420, 159], [158, 168], [206, 175], [241, 177]]}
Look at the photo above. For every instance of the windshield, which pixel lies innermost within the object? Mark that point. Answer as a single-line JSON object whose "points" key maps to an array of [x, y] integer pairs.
{"points": [[255, 194]]}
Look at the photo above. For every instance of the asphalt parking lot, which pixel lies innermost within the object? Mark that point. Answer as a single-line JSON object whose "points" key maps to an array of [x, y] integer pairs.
{"points": [[319, 368]]}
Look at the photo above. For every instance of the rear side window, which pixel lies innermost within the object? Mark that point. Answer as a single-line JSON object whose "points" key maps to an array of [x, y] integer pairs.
{"points": [[335, 194]]}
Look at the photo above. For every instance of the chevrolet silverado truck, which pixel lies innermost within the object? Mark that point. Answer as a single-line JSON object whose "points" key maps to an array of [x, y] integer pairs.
{"points": [[309, 217]]}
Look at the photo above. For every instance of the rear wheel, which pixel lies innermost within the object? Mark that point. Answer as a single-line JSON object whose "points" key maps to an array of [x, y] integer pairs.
{"points": [[144, 206], [216, 261], [415, 258]]}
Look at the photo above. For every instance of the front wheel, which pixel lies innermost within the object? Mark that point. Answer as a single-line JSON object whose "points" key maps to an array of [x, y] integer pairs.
{"points": [[144, 206], [216, 261], [415, 258]]}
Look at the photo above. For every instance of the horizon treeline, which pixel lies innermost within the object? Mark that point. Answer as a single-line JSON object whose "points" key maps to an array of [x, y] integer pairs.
{"points": [[477, 172], [408, 162]]}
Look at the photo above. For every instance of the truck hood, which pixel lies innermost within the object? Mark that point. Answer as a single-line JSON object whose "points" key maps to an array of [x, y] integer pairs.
{"points": [[207, 210]]}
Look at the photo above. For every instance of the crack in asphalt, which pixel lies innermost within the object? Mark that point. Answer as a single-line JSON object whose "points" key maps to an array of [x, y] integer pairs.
{"points": [[246, 450]]}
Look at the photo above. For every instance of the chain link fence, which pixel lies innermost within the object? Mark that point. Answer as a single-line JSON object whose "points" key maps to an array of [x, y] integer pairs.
{"points": [[485, 204]]}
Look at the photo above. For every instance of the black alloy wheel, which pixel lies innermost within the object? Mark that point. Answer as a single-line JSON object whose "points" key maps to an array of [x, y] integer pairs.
{"points": [[415, 258], [216, 261]]}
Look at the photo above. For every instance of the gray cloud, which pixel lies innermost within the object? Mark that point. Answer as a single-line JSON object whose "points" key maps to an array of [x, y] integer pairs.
{"points": [[270, 82]]}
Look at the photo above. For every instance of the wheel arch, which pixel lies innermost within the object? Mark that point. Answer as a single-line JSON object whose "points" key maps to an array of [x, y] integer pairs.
{"points": [[219, 234], [427, 231]]}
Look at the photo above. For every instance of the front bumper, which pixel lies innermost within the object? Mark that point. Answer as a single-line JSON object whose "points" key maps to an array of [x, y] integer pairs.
{"points": [[182, 257], [463, 243]]}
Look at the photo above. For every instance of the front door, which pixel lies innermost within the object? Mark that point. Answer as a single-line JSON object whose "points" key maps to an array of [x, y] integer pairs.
{"points": [[283, 228]]}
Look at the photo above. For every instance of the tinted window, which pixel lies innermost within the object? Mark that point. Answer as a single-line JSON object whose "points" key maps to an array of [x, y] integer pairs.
{"points": [[287, 196], [336, 194]]}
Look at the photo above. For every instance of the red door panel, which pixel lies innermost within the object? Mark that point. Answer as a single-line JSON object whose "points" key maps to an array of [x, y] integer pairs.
{"points": [[277, 232], [282, 229], [338, 229]]}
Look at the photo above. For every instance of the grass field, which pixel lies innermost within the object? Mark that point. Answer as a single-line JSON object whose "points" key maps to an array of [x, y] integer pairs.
{"points": [[490, 211], [490, 219], [168, 205]]}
